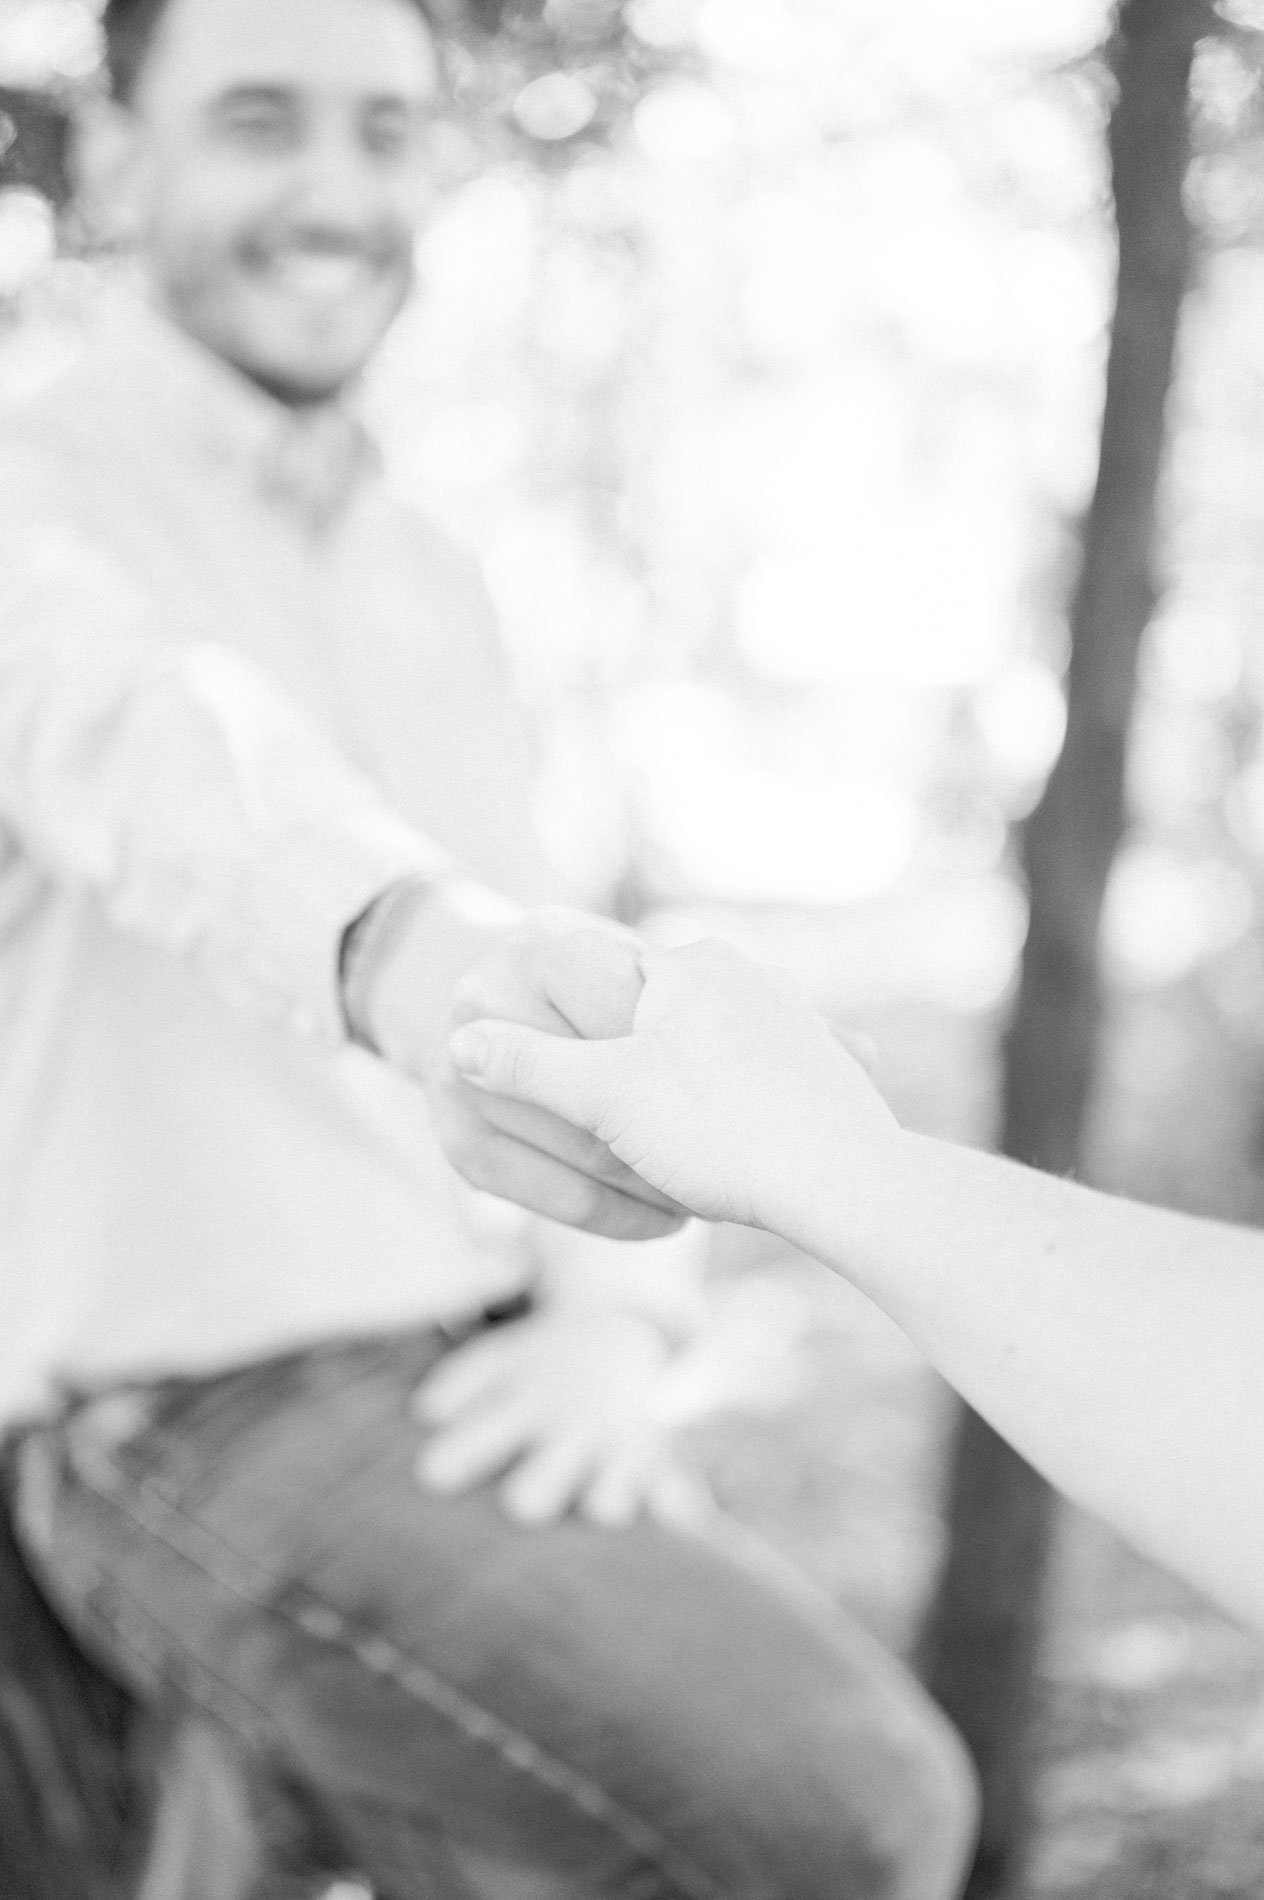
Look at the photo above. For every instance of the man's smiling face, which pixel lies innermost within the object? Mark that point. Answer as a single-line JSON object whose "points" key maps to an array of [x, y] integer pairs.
{"points": [[278, 168]]}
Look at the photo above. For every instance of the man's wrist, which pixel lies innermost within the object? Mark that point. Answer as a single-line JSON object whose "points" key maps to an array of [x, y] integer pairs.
{"points": [[366, 944], [401, 957]]}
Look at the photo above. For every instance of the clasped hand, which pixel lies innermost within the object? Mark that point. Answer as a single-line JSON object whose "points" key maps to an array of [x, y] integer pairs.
{"points": [[604, 1084], [553, 970], [613, 1086], [726, 1085]]}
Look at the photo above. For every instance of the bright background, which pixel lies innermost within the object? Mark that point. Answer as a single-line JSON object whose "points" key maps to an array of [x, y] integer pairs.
{"points": [[770, 412], [770, 415]]}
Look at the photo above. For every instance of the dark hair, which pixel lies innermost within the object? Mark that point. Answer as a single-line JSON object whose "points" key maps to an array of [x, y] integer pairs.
{"points": [[129, 27]]}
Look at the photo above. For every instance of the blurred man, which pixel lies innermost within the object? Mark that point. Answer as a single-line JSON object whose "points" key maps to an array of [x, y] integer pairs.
{"points": [[260, 775]]}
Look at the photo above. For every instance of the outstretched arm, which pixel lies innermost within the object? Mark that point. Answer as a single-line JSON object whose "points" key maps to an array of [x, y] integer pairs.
{"points": [[1117, 1346], [200, 809]]}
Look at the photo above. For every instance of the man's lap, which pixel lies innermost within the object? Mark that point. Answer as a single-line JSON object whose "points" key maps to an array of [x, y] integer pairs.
{"points": [[633, 1710]]}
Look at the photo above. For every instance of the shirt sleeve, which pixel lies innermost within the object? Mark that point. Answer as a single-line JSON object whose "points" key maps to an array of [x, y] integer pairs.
{"points": [[177, 785]]}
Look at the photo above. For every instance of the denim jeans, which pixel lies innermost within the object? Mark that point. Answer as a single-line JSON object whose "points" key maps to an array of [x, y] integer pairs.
{"points": [[455, 1705]]}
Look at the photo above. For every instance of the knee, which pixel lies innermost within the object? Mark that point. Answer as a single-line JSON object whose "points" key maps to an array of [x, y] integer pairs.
{"points": [[878, 1804], [895, 1811], [922, 1841]]}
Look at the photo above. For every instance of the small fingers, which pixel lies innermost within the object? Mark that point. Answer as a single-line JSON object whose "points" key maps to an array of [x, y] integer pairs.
{"points": [[647, 1478], [468, 1453], [466, 1375], [620, 1487], [542, 1488], [680, 1498]]}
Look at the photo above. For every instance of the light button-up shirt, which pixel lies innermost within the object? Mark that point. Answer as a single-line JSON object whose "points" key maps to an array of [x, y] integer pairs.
{"points": [[242, 689]]}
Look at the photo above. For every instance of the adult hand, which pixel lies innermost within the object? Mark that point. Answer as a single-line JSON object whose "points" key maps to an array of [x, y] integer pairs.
{"points": [[727, 1080], [573, 1406], [556, 970]]}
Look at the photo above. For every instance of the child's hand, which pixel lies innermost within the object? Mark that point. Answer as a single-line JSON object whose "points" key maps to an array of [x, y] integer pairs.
{"points": [[729, 1081]]}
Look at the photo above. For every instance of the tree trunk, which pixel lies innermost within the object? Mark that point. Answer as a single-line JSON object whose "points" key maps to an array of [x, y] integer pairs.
{"points": [[984, 1628]]}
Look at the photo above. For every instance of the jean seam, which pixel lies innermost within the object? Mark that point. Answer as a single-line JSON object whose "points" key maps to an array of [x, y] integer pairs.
{"points": [[321, 1622], [222, 1697]]}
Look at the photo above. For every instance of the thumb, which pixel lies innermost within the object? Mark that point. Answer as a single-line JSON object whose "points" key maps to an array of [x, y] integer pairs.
{"points": [[572, 1079]]}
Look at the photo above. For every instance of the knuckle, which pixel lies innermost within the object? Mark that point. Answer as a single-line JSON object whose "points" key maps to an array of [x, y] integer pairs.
{"points": [[719, 952], [700, 956]]}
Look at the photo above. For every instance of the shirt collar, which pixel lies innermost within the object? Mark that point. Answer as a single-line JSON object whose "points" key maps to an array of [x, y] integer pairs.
{"points": [[306, 463]]}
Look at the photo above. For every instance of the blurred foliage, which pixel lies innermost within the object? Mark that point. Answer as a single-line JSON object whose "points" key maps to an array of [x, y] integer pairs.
{"points": [[560, 74], [760, 355]]}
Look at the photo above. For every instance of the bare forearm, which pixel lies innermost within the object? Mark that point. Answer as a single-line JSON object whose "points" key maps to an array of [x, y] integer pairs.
{"points": [[1117, 1346]]}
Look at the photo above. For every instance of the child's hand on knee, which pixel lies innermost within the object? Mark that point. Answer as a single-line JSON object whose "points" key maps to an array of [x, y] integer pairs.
{"points": [[728, 1077]]}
